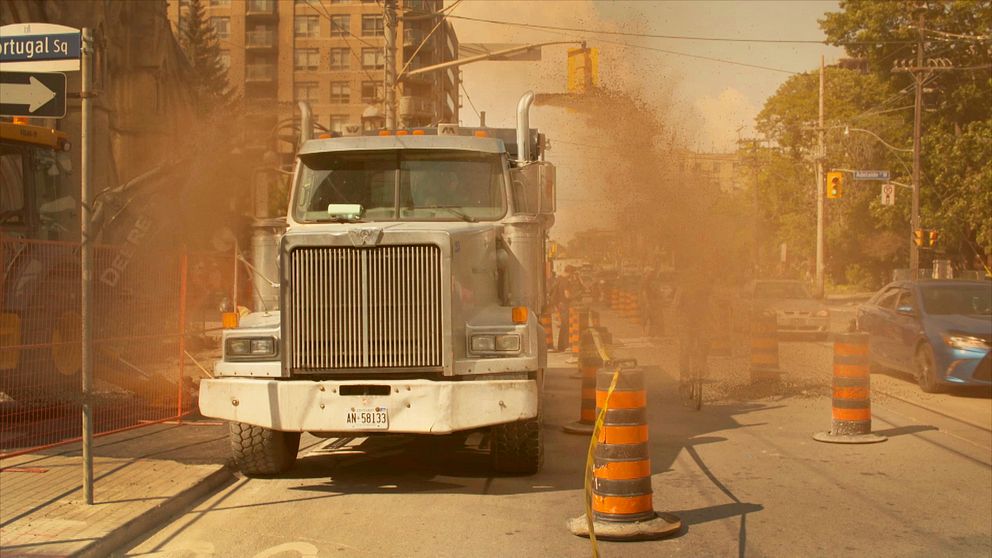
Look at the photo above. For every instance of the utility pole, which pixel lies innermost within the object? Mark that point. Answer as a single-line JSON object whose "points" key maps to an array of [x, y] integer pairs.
{"points": [[821, 155], [389, 27], [86, 258], [914, 250]]}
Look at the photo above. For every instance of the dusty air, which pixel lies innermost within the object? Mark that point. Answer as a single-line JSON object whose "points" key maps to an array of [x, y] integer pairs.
{"points": [[450, 278]]}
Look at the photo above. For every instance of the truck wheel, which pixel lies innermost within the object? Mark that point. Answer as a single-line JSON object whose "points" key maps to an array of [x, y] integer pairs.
{"points": [[517, 447], [261, 451]]}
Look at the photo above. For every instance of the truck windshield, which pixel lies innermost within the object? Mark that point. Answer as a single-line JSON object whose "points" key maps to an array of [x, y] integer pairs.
{"points": [[412, 185]]}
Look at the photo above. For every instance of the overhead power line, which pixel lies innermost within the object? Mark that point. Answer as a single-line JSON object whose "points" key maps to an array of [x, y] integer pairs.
{"points": [[674, 37]]}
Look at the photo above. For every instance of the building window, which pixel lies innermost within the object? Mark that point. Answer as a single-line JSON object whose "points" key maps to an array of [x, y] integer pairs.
{"points": [[338, 122], [222, 26], [306, 59], [339, 58], [372, 26], [340, 92], [220, 2], [340, 25], [372, 59], [305, 91], [372, 91], [305, 26]]}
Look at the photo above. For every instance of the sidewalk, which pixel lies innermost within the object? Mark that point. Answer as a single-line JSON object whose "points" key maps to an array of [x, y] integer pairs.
{"points": [[142, 477]]}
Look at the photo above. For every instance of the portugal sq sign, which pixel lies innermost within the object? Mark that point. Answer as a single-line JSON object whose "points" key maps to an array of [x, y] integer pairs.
{"points": [[39, 47]]}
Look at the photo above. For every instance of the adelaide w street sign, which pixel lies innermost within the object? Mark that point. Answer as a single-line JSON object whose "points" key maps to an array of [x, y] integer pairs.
{"points": [[871, 175], [32, 94]]}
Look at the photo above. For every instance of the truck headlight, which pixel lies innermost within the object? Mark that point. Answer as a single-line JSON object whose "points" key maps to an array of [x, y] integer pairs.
{"points": [[241, 348], [503, 343]]}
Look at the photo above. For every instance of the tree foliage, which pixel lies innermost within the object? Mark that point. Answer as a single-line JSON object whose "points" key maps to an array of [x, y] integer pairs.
{"points": [[198, 39], [869, 121]]}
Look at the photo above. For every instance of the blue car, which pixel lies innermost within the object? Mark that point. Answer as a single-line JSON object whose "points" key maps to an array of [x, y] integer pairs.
{"points": [[940, 331]]}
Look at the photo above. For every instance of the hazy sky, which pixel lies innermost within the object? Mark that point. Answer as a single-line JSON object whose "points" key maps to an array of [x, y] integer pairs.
{"points": [[715, 98], [706, 104]]}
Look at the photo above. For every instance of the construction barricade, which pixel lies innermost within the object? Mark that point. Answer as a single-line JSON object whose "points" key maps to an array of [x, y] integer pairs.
{"points": [[144, 355], [621, 507], [764, 347], [851, 401]]}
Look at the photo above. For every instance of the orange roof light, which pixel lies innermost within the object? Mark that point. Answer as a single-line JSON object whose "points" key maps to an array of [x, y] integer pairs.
{"points": [[418, 132], [481, 134], [402, 132], [325, 135], [385, 133], [20, 120]]}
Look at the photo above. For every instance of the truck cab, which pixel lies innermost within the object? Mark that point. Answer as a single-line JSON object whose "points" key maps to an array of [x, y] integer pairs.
{"points": [[411, 283]]}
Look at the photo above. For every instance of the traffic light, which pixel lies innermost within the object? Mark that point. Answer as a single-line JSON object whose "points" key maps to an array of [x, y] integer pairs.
{"points": [[925, 238], [835, 185], [583, 69]]}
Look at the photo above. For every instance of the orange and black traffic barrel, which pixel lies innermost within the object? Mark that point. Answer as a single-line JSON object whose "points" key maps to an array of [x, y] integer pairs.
{"points": [[764, 347], [590, 362], [549, 336], [622, 497], [851, 401]]}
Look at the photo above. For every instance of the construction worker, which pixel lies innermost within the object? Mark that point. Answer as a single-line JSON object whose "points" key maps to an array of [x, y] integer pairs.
{"points": [[562, 296]]}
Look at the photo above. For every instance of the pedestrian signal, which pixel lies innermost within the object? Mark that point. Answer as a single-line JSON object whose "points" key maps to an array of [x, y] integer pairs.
{"points": [[835, 185]]}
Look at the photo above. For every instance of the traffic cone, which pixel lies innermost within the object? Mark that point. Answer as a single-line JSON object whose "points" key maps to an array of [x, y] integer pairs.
{"points": [[590, 362], [764, 348], [851, 403], [622, 498]]}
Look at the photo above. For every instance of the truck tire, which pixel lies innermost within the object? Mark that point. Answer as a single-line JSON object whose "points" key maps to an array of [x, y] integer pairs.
{"points": [[517, 448], [260, 451]]}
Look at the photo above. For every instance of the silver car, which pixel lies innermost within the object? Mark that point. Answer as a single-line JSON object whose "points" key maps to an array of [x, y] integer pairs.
{"points": [[795, 309]]}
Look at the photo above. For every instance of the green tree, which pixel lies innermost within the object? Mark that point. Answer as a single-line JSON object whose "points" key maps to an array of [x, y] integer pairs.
{"points": [[956, 149], [198, 39], [859, 232]]}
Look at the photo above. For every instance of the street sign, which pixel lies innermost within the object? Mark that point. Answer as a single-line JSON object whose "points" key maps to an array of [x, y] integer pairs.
{"points": [[888, 194], [871, 175], [39, 47], [32, 94]]}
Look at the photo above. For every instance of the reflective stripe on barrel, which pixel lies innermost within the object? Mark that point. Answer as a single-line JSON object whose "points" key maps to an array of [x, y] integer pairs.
{"points": [[851, 402], [622, 467]]}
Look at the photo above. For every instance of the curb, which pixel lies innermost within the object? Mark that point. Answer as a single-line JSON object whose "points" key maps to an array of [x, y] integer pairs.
{"points": [[115, 541]]}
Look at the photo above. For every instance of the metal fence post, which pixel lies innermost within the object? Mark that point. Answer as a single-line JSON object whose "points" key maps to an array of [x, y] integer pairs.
{"points": [[183, 273]]}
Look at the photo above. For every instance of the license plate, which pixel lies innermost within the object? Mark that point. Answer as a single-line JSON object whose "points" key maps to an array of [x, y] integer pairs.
{"points": [[367, 418]]}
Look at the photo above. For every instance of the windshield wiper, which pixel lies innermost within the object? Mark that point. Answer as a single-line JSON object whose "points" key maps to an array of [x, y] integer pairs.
{"points": [[453, 210]]}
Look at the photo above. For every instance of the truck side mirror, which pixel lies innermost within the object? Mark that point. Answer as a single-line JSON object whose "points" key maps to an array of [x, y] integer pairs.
{"points": [[533, 188]]}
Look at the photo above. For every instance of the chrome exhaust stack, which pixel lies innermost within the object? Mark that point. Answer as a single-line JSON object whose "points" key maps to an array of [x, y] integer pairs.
{"points": [[523, 126]]}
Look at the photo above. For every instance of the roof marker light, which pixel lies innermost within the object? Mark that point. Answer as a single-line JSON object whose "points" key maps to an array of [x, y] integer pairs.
{"points": [[402, 132], [385, 133], [481, 134], [418, 133]]}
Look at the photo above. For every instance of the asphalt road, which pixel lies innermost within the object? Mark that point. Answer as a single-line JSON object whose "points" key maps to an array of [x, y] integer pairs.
{"points": [[744, 474]]}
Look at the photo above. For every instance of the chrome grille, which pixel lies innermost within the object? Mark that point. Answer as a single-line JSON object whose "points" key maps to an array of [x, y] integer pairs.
{"points": [[364, 308]]}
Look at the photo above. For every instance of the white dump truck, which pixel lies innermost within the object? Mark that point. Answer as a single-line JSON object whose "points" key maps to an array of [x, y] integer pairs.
{"points": [[411, 282]]}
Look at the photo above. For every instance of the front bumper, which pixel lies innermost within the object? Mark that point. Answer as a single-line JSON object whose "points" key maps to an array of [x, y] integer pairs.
{"points": [[964, 368], [414, 406], [802, 324]]}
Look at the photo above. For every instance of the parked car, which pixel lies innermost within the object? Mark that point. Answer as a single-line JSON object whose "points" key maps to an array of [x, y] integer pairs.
{"points": [[796, 310], [940, 331]]}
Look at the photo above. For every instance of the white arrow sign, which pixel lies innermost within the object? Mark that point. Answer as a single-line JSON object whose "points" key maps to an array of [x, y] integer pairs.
{"points": [[33, 94]]}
